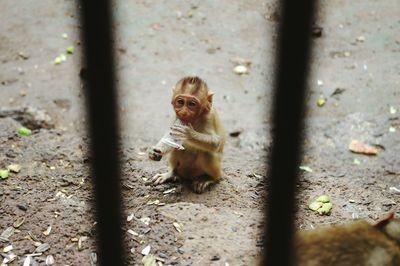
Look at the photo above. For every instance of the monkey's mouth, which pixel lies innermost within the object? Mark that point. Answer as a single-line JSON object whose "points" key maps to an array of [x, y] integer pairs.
{"points": [[185, 120]]}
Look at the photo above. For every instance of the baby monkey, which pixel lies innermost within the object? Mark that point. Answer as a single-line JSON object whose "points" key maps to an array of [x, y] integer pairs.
{"points": [[199, 131]]}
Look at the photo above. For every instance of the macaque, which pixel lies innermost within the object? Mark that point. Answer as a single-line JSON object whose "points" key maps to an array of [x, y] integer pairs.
{"points": [[199, 130], [353, 244]]}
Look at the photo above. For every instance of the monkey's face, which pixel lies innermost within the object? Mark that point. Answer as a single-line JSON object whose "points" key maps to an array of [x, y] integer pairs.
{"points": [[187, 107]]}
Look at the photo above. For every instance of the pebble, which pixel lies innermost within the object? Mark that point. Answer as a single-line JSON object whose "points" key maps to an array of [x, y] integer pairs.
{"points": [[162, 255], [181, 250], [186, 263], [22, 207]]}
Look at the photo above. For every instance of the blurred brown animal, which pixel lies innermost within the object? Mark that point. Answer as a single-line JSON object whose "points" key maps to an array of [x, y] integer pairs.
{"points": [[355, 244]]}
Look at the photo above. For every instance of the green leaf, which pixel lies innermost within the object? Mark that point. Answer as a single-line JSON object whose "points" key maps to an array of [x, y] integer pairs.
{"points": [[57, 61], [70, 50], [23, 131], [149, 260], [326, 208], [315, 205], [306, 168], [323, 199], [3, 174]]}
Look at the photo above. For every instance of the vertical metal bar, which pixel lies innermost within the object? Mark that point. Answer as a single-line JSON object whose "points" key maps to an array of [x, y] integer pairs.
{"points": [[103, 128], [289, 101]]}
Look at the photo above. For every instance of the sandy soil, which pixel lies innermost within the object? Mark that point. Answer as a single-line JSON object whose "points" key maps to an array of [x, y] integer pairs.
{"points": [[156, 44]]}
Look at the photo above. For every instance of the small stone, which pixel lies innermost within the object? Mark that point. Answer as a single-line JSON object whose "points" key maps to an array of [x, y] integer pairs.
{"points": [[361, 39], [181, 250], [186, 263], [23, 55], [236, 133], [22, 207], [316, 31], [162, 255], [215, 258]]}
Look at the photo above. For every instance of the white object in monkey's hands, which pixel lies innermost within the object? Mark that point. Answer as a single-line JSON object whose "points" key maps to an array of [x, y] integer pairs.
{"points": [[167, 140], [170, 142]]}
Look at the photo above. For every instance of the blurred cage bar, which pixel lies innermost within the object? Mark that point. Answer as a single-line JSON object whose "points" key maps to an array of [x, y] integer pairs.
{"points": [[292, 67], [289, 101], [102, 112]]}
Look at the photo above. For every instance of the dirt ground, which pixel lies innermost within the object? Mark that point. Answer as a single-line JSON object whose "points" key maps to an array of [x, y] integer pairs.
{"points": [[355, 68]]}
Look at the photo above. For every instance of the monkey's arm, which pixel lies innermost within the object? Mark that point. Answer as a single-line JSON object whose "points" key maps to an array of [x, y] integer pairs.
{"points": [[157, 151], [209, 142]]}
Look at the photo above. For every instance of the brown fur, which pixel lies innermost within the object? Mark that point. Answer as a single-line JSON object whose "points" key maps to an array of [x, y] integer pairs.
{"points": [[355, 244], [203, 138]]}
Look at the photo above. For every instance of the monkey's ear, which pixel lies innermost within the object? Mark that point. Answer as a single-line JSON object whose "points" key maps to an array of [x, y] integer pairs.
{"points": [[384, 221], [210, 97]]}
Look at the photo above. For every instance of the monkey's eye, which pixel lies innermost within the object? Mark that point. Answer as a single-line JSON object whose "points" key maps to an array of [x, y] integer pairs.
{"points": [[179, 102], [192, 104]]}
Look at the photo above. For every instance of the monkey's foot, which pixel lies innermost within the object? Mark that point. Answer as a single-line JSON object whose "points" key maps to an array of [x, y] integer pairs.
{"points": [[199, 186], [162, 178]]}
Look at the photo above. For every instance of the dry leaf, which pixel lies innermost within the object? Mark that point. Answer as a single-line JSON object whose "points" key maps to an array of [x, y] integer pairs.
{"points": [[49, 260], [178, 227], [306, 168], [149, 260], [19, 222], [8, 248], [93, 258], [48, 231], [145, 220], [9, 258], [81, 239], [169, 190], [359, 147], [14, 168], [27, 261], [42, 248], [130, 217], [7, 233], [130, 231], [156, 202], [146, 250]]}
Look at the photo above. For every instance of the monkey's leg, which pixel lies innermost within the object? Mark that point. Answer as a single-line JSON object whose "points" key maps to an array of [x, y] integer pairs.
{"points": [[212, 167], [201, 184]]}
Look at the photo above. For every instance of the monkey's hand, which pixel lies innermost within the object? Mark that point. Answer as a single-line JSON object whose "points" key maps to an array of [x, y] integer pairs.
{"points": [[182, 132], [162, 178], [155, 154], [202, 141]]}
